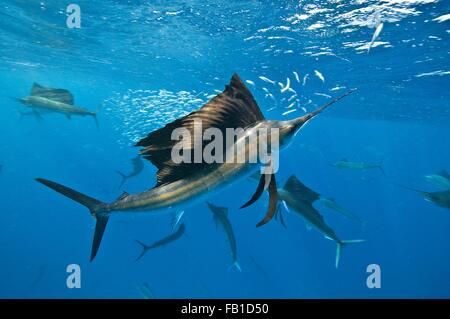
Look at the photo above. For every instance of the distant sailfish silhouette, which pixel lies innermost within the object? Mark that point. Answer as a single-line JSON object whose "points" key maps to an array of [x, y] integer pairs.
{"points": [[138, 167], [221, 218], [441, 198], [301, 198], [166, 240], [45, 99]]}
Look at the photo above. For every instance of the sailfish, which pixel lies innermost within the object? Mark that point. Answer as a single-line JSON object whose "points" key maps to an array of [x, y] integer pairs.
{"points": [[45, 99], [440, 198], [300, 198], [138, 167], [221, 218], [180, 185]]}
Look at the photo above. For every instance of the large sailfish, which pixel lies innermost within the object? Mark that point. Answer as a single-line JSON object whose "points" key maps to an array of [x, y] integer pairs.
{"points": [[183, 184]]}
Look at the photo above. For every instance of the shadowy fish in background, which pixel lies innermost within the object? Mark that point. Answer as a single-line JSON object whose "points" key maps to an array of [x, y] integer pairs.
{"points": [[145, 291], [259, 268], [39, 276], [221, 218], [300, 198], [346, 164], [180, 185], [441, 179], [441, 199], [138, 167], [53, 100], [37, 281], [166, 240], [1, 168]]}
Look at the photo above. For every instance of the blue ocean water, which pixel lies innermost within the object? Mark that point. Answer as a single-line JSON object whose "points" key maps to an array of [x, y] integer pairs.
{"points": [[145, 63]]}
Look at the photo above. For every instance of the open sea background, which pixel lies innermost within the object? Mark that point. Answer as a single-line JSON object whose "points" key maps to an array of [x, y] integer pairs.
{"points": [[146, 63]]}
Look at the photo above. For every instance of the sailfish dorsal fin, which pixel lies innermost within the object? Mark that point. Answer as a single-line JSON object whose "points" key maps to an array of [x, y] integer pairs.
{"points": [[235, 107], [138, 164], [60, 95], [445, 174], [299, 190], [307, 196]]}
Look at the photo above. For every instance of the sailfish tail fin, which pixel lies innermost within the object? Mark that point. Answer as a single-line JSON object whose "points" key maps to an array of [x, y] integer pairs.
{"points": [[145, 248], [382, 170], [94, 206], [340, 245], [94, 115], [236, 265], [124, 178]]}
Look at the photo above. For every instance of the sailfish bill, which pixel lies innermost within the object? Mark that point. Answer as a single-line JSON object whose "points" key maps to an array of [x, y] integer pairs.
{"points": [[440, 198], [180, 185], [263, 182]]}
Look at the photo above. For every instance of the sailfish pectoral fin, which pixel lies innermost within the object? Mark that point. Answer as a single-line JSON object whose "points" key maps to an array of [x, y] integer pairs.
{"points": [[280, 214], [176, 220], [37, 115], [264, 181], [273, 201]]}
